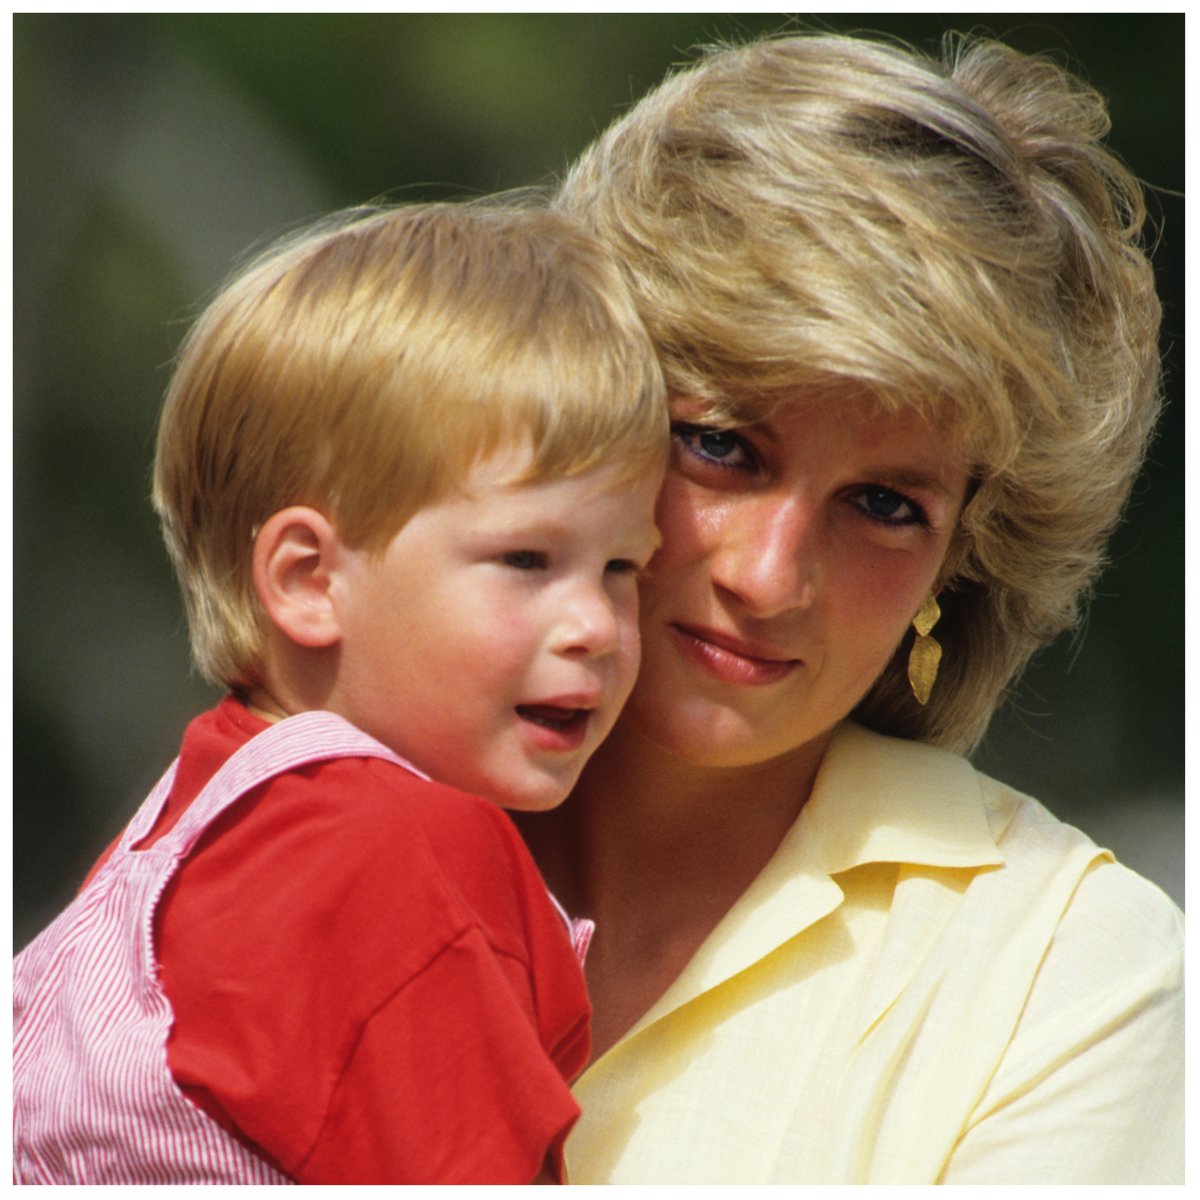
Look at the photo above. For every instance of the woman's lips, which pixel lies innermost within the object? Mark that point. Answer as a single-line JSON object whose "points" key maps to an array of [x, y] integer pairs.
{"points": [[730, 659]]}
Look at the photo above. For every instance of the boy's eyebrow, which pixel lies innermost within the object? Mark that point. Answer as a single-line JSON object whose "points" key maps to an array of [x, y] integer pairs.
{"points": [[548, 523], [553, 525]]}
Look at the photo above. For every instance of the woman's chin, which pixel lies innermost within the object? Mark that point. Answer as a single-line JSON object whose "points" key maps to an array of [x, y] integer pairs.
{"points": [[705, 734]]}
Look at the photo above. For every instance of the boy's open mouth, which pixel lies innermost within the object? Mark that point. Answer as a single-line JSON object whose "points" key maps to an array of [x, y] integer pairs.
{"points": [[552, 716]]}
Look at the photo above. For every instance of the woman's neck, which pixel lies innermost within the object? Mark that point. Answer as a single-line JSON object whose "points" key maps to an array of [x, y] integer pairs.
{"points": [[656, 850]]}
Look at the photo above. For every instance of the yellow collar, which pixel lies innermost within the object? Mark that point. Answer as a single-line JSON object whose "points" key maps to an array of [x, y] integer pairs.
{"points": [[875, 800], [879, 799]]}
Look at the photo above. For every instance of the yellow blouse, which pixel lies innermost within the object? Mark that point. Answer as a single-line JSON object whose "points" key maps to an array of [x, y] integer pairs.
{"points": [[932, 980]]}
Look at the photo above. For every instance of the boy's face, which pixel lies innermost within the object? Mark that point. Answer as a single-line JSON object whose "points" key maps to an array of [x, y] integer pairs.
{"points": [[496, 639]]}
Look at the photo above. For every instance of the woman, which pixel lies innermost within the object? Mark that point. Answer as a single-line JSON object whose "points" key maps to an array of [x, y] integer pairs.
{"points": [[911, 342]]}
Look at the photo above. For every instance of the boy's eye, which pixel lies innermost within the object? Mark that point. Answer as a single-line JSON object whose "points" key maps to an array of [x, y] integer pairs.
{"points": [[621, 566], [720, 447], [889, 507], [525, 560]]}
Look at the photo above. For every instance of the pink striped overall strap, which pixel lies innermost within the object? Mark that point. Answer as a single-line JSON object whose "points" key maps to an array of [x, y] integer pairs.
{"points": [[308, 737], [93, 1097]]}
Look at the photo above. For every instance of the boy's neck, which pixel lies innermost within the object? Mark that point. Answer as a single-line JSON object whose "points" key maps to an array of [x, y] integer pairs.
{"points": [[263, 705]]}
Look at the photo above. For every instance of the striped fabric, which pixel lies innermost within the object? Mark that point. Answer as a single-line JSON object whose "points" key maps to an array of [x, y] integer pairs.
{"points": [[93, 1097], [581, 930]]}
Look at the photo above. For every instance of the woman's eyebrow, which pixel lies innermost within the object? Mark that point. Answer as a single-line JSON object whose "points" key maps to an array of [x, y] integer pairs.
{"points": [[913, 478]]}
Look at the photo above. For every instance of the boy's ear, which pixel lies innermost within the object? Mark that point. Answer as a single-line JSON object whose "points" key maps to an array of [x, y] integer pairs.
{"points": [[295, 552]]}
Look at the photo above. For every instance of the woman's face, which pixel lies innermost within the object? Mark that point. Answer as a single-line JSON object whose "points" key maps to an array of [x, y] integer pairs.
{"points": [[795, 553]]}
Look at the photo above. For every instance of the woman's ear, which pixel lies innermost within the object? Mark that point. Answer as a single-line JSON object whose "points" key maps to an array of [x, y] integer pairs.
{"points": [[295, 553]]}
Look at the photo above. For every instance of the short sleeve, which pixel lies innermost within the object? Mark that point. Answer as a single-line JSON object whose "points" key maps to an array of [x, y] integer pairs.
{"points": [[448, 1084], [1091, 1089]]}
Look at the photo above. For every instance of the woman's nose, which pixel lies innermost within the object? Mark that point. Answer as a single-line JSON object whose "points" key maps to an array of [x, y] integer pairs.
{"points": [[767, 554]]}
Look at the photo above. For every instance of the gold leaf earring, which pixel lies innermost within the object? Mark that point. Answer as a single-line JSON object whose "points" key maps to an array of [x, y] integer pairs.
{"points": [[926, 652]]}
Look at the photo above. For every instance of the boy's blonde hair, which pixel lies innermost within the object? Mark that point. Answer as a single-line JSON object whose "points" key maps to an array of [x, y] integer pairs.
{"points": [[364, 366], [949, 235]]}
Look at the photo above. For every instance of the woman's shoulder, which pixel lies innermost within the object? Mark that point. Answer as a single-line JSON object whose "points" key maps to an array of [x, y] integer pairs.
{"points": [[1109, 896], [1038, 852]]}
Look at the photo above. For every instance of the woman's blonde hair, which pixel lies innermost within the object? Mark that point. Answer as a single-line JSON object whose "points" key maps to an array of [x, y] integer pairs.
{"points": [[363, 366], [950, 234]]}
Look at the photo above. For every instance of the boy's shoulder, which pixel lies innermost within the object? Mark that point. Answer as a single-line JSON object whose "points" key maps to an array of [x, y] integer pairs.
{"points": [[373, 799], [369, 825], [360, 850], [358, 795], [355, 829]]}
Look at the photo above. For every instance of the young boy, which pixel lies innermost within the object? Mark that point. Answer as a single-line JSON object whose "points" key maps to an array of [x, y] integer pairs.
{"points": [[406, 472]]}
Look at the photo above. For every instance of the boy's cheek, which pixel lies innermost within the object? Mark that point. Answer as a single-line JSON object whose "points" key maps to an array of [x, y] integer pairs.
{"points": [[630, 661]]}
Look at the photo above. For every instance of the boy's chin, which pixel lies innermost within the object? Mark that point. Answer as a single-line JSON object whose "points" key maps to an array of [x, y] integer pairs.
{"points": [[533, 796]]}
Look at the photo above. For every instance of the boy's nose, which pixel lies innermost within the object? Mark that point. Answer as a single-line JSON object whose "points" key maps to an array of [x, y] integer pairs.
{"points": [[591, 625], [766, 555]]}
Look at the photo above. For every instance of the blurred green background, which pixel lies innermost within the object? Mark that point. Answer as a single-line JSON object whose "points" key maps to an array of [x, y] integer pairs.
{"points": [[151, 150]]}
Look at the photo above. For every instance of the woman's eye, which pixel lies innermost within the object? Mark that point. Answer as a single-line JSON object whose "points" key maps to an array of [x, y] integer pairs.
{"points": [[721, 447], [525, 560], [889, 507]]}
